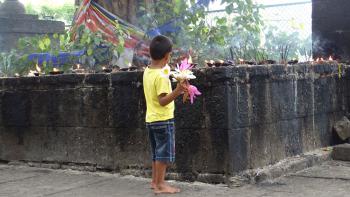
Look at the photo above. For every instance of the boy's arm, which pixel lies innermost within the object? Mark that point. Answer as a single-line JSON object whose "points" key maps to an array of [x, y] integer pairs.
{"points": [[165, 99]]}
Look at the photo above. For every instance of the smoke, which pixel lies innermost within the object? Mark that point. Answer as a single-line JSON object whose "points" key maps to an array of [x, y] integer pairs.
{"points": [[325, 47]]}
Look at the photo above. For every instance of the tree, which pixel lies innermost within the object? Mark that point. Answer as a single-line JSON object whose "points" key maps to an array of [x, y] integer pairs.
{"points": [[126, 9], [199, 31], [63, 13]]}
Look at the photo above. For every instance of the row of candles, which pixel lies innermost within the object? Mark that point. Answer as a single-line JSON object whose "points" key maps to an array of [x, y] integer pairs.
{"points": [[219, 63], [38, 71], [210, 63], [78, 69], [105, 69], [322, 60]]}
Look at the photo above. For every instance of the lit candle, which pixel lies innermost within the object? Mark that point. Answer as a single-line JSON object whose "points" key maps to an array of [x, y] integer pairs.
{"points": [[219, 63], [38, 68], [211, 63], [78, 69], [107, 70], [189, 60], [33, 73], [56, 71]]}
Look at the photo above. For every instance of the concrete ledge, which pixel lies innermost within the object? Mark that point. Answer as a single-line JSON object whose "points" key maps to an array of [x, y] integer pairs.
{"points": [[341, 152], [26, 26], [284, 167], [253, 176]]}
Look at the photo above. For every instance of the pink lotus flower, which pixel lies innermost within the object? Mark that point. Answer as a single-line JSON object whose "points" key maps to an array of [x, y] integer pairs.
{"points": [[185, 65], [193, 92], [183, 71]]}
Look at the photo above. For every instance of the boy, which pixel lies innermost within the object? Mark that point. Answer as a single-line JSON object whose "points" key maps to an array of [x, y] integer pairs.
{"points": [[160, 113]]}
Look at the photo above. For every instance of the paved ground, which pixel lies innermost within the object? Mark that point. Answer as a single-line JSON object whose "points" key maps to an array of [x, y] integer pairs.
{"points": [[332, 179]]}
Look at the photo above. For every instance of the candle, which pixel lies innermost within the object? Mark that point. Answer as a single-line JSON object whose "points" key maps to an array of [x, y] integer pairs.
{"points": [[189, 59], [33, 73], [210, 63], [38, 68], [78, 69], [107, 70], [219, 63], [56, 71]]}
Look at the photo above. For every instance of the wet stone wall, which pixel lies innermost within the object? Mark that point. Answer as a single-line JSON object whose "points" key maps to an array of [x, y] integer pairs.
{"points": [[247, 117]]}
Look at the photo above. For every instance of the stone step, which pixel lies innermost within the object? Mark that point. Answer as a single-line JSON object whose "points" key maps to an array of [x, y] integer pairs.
{"points": [[341, 152]]}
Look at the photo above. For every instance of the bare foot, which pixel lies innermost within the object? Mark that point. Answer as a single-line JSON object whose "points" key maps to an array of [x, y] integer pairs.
{"points": [[153, 185], [166, 189]]}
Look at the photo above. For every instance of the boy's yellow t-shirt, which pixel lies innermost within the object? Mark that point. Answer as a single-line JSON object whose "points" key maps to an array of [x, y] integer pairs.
{"points": [[154, 84]]}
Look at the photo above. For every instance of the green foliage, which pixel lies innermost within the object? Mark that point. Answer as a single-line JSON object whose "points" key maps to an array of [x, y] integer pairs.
{"points": [[39, 44], [239, 33], [43, 44], [99, 51], [275, 39], [272, 44], [6, 63], [12, 63], [206, 36]]}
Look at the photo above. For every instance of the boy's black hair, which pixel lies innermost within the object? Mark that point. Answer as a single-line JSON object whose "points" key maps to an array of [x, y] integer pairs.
{"points": [[160, 46]]}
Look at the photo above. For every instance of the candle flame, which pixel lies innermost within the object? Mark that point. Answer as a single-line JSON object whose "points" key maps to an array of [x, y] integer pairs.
{"points": [[78, 66], [31, 73], [55, 70], [330, 58], [189, 59], [38, 68], [129, 64], [103, 68]]}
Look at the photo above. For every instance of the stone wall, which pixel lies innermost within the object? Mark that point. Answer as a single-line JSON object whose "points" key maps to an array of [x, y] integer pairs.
{"points": [[247, 117], [331, 28], [25, 26], [16, 24]]}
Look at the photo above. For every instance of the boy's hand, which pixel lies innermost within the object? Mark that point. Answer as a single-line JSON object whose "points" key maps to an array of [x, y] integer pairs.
{"points": [[181, 86], [165, 99]]}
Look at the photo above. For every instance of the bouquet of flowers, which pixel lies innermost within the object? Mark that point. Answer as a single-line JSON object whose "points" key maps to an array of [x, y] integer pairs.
{"points": [[183, 74]]}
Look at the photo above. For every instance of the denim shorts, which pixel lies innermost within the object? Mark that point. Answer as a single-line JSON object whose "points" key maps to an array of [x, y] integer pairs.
{"points": [[162, 139]]}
